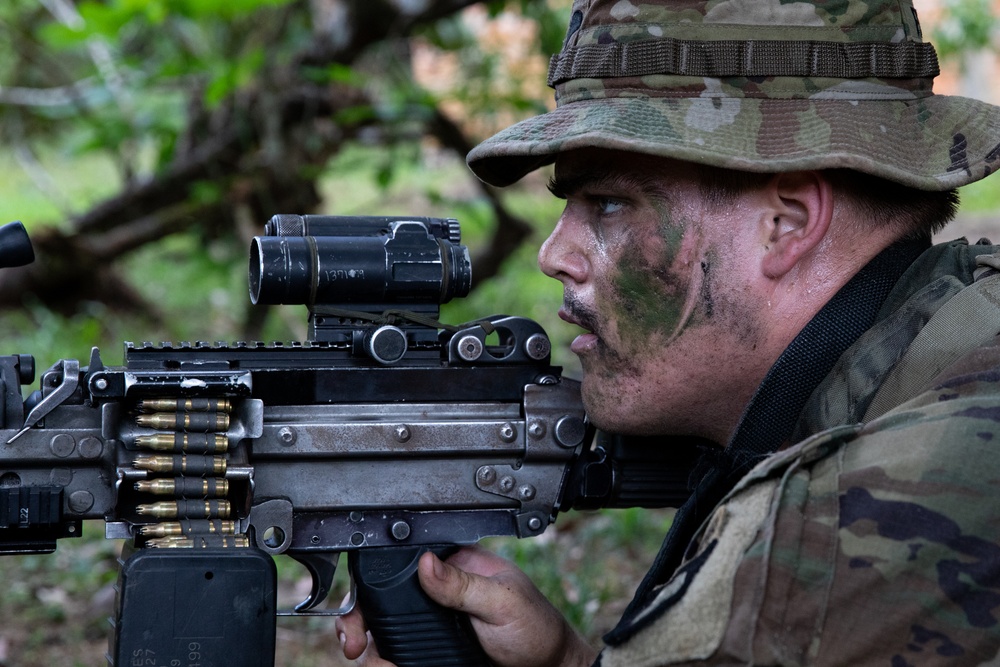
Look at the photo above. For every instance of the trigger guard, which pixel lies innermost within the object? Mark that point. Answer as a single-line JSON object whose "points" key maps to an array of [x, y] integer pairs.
{"points": [[321, 566]]}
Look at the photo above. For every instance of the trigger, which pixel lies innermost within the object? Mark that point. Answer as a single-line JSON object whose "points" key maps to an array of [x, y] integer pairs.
{"points": [[322, 566]]}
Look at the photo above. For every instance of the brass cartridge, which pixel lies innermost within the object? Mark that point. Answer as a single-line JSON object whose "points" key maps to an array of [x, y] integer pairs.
{"points": [[191, 443], [199, 542], [185, 487], [189, 509], [188, 527], [180, 464], [202, 422], [185, 405]]}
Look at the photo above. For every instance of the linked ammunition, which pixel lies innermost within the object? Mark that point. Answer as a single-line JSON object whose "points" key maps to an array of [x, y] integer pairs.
{"points": [[189, 509], [185, 487], [185, 421], [188, 527], [185, 405], [180, 464], [192, 443], [199, 542]]}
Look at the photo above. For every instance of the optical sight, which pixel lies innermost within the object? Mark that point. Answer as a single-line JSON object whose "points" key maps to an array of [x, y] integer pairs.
{"points": [[351, 269]]}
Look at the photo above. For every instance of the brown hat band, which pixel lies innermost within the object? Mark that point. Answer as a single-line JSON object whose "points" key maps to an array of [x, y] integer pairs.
{"points": [[745, 58]]}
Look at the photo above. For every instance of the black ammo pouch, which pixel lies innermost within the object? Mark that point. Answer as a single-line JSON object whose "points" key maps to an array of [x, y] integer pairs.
{"points": [[205, 607]]}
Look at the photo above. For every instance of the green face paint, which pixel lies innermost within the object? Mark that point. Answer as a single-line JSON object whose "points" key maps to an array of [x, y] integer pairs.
{"points": [[645, 295]]}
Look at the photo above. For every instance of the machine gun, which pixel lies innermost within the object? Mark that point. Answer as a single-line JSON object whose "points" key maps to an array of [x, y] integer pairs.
{"points": [[383, 435]]}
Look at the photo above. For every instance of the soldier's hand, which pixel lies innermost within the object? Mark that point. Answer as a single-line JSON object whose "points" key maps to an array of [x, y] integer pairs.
{"points": [[515, 624], [356, 642]]}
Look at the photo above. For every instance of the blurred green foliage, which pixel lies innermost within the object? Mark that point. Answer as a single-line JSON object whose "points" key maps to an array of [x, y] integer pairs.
{"points": [[966, 26], [148, 56]]}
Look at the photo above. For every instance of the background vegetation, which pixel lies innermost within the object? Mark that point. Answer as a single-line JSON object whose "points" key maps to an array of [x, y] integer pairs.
{"points": [[143, 142]]}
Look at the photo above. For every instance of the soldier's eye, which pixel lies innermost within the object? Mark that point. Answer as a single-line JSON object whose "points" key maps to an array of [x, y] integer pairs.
{"points": [[609, 205]]}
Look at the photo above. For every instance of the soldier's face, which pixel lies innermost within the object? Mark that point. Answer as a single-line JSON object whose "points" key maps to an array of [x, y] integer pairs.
{"points": [[645, 273]]}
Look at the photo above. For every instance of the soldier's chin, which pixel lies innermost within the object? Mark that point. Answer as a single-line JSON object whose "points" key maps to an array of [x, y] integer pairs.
{"points": [[608, 418]]}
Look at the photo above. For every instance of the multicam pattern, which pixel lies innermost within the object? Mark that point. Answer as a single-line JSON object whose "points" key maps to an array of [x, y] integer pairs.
{"points": [[893, 128], [840, 20], [879, 543]]}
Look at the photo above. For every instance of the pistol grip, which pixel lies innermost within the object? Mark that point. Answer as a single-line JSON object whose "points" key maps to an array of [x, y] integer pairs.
{"points": [[409, 628]]}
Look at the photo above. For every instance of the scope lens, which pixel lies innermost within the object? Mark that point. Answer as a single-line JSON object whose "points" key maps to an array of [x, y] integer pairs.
{"points": [[256, 269]]}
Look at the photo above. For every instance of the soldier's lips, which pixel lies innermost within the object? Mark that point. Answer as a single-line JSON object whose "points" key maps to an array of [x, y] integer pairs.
{"points": [[584, 342]]}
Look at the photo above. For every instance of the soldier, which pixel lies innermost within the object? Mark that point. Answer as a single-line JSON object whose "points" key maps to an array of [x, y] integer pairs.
{"points": [[751, 187]]}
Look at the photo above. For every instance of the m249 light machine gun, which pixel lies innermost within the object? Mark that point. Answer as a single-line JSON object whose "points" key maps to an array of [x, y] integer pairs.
{"points": [[383, 435]]}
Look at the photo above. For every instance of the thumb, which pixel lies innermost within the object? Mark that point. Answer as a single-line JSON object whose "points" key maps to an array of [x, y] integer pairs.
{"points": [[455, 588], [514, 622]]}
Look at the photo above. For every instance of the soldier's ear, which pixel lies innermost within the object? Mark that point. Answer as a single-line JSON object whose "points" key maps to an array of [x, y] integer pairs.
{"points": [[795, 218]]}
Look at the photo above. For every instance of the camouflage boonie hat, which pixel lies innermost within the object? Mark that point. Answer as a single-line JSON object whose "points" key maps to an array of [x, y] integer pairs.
{"points": [[754, 85]]}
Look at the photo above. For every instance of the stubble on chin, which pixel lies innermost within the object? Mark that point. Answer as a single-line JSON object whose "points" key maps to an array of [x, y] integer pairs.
{"points": [[610, 376]]}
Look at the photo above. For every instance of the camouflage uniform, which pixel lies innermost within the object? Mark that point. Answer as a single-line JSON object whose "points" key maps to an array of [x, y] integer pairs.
{"points": [[873, 540]]}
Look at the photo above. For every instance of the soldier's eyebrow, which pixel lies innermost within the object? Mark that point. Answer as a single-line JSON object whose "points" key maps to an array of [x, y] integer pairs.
{"points": [[563, 186], [566, 185]]}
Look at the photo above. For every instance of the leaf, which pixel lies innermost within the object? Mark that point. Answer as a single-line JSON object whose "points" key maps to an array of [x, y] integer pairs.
{"points": [[384, 174], [206, 192]]}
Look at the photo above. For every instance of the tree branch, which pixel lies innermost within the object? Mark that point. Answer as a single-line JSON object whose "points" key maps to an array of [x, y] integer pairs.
{"points": [[262, 150], [510, 232]]}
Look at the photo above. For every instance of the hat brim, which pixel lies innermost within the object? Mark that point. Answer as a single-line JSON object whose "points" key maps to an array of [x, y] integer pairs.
{"points": [[929, 143]]}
